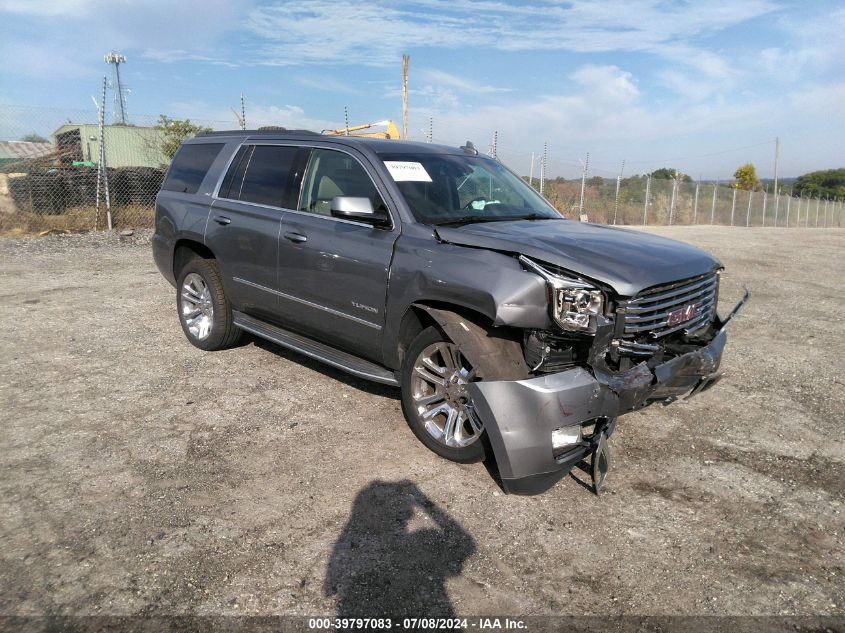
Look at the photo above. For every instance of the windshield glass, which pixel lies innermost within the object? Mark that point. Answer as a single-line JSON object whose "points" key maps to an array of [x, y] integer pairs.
{"points": [[455, 189]]}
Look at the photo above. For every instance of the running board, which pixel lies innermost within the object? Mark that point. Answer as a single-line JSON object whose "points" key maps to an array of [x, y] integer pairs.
{"points": [[316, 350]]}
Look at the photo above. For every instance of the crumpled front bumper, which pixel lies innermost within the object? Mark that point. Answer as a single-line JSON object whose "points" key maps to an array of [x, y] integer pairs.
{"points": [[520, 415]]}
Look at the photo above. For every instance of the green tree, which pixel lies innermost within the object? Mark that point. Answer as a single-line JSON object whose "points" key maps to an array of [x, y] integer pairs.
{"points": [[745, 177], [34, 138], [828, 183], [174, 131], [668, 173]]}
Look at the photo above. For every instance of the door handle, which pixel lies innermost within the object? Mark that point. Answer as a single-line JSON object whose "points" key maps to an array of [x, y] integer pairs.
{"points": [[295, 237], [222, 219]]}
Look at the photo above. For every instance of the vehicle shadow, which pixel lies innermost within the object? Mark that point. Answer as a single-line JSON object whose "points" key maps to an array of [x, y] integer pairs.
{"points": [[382, 566], [327, 370]]}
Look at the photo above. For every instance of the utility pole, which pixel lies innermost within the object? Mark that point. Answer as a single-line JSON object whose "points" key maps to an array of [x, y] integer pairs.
{"points": [[616, 200], [405, 60], [116, 59], [102, 167], [586, 164], [777, 197]]}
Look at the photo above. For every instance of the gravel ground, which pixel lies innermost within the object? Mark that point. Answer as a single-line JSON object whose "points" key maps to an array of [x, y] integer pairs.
{"points": [[140, 475]]}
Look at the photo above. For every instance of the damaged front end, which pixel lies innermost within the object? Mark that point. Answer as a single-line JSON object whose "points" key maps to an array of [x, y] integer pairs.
{"points": [[608, 357]]}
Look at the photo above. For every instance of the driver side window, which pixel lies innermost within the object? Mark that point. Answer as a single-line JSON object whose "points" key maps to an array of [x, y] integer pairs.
{"points": [[331, 173]]}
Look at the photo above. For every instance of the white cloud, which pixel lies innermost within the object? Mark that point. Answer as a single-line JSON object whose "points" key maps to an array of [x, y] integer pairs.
{"points": [[349, 32], [442, 78]]}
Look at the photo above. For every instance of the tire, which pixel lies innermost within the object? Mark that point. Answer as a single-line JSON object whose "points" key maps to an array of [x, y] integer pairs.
{"points": [[421, 395], [199, 292]]}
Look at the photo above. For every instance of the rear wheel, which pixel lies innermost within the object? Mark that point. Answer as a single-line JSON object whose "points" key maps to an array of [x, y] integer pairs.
{"points": [[204, 311], [435, 400]]}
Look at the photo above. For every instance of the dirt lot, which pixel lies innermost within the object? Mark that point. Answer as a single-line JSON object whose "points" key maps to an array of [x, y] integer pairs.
{"points": [[142, 476]]}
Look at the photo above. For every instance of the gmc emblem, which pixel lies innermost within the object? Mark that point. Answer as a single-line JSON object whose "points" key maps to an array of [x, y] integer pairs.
{"points": [[684, 314]]}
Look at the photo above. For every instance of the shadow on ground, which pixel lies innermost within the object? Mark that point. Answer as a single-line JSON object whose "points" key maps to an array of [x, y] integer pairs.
{"points": [[394, 555]]}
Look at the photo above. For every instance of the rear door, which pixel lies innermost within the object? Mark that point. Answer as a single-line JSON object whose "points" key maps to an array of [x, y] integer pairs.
{"points": [[244, 224], [333, 272]]}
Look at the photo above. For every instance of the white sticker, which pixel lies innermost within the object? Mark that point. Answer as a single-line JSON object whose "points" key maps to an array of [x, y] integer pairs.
{"points": [[403, 171]]}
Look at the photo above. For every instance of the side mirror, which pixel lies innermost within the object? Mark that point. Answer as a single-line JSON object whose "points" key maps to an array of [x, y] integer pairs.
{"points": [[360, 209]]}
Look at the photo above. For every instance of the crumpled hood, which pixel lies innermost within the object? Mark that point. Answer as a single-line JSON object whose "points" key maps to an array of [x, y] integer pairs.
{"points": [[626, 260]]}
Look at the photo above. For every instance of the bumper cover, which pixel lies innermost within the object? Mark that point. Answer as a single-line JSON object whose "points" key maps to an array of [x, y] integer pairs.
{"points": [[520, 415]]}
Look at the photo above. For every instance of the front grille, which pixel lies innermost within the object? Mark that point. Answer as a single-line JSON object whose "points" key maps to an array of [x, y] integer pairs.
{"points": [[649, 312]]}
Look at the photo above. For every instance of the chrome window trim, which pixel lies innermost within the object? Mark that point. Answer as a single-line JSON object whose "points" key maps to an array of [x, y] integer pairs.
{"points": [[375, 326], [215, 194]]}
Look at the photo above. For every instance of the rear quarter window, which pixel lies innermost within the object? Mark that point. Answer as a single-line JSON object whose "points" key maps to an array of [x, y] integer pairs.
{"points": [[189, 167]]}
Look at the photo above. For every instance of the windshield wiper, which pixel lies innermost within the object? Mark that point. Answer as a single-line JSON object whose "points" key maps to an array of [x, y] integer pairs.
{"points": [[470, 219], [535, 216]]}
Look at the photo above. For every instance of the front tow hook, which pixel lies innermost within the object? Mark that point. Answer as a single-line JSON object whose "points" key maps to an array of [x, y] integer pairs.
{"points": [[600, 462]]}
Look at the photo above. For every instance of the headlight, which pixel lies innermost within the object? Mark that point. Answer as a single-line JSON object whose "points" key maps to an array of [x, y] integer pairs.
{"points": [[575, 304], [576, 309]]}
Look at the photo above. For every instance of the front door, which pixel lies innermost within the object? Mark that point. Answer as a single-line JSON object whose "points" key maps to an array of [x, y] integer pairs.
{"points": [[333, 272]]}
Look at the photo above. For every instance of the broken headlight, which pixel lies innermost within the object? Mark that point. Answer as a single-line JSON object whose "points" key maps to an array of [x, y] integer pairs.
{"points": [[574, 304], [576, 308]]}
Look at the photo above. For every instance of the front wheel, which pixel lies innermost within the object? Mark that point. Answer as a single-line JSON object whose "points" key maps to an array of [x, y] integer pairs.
{"points": [[204, 311], [435, 400]]}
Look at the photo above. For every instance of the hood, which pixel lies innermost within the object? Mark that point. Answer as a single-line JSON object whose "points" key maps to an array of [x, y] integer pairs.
{"points": [[628, 261]]}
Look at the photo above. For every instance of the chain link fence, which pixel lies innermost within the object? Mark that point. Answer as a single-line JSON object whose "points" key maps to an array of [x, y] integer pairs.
{"points": [[59, 170], [52, 178], [643, 200]]}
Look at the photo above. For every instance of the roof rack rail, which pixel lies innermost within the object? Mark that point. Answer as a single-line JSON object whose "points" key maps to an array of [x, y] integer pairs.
{"points": [[270, 132]]}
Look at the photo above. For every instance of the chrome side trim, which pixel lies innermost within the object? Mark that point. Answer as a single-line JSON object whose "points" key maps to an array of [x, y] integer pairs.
{"points": [[310, 304]]}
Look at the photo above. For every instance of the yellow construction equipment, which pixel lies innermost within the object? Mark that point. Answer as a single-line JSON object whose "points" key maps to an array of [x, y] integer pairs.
{"points": [[392, 132]]}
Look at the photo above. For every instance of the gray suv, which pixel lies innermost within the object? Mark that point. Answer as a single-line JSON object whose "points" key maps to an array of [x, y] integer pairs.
{"points": [[513, 333]]}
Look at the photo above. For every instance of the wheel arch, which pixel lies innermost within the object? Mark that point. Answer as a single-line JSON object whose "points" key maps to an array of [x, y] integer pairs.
{"points": [[186, 249]]}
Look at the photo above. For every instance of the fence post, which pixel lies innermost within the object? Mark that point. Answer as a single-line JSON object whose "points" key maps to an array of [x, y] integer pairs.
{"points": [[788, 204], [818, 200], [733, 207], [672, 204], [695, 204], [765, 198], [713, 206], [748, 213], [777, 204], [616, 200], [645, 206], [826, 201]]}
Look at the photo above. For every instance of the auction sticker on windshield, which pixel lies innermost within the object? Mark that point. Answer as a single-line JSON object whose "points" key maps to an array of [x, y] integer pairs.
{"points": [[405, 171]]}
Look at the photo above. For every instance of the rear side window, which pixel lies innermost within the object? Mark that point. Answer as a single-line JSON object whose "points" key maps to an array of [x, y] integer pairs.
{"points": [[190, 165], [260, 174]]}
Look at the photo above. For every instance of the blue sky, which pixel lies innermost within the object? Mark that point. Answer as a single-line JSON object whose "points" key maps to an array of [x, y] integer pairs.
{"points": [[700, 86]]}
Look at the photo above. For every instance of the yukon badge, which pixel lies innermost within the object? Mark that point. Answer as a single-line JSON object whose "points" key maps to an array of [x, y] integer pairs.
{"points": [[361, 306], [684, 314]]}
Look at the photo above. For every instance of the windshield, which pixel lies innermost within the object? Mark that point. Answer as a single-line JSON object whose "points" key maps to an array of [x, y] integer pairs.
{"points": [[455, 189]]}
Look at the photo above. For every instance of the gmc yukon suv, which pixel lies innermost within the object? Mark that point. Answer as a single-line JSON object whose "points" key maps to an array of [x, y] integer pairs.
{"points": [[512, 332]]}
